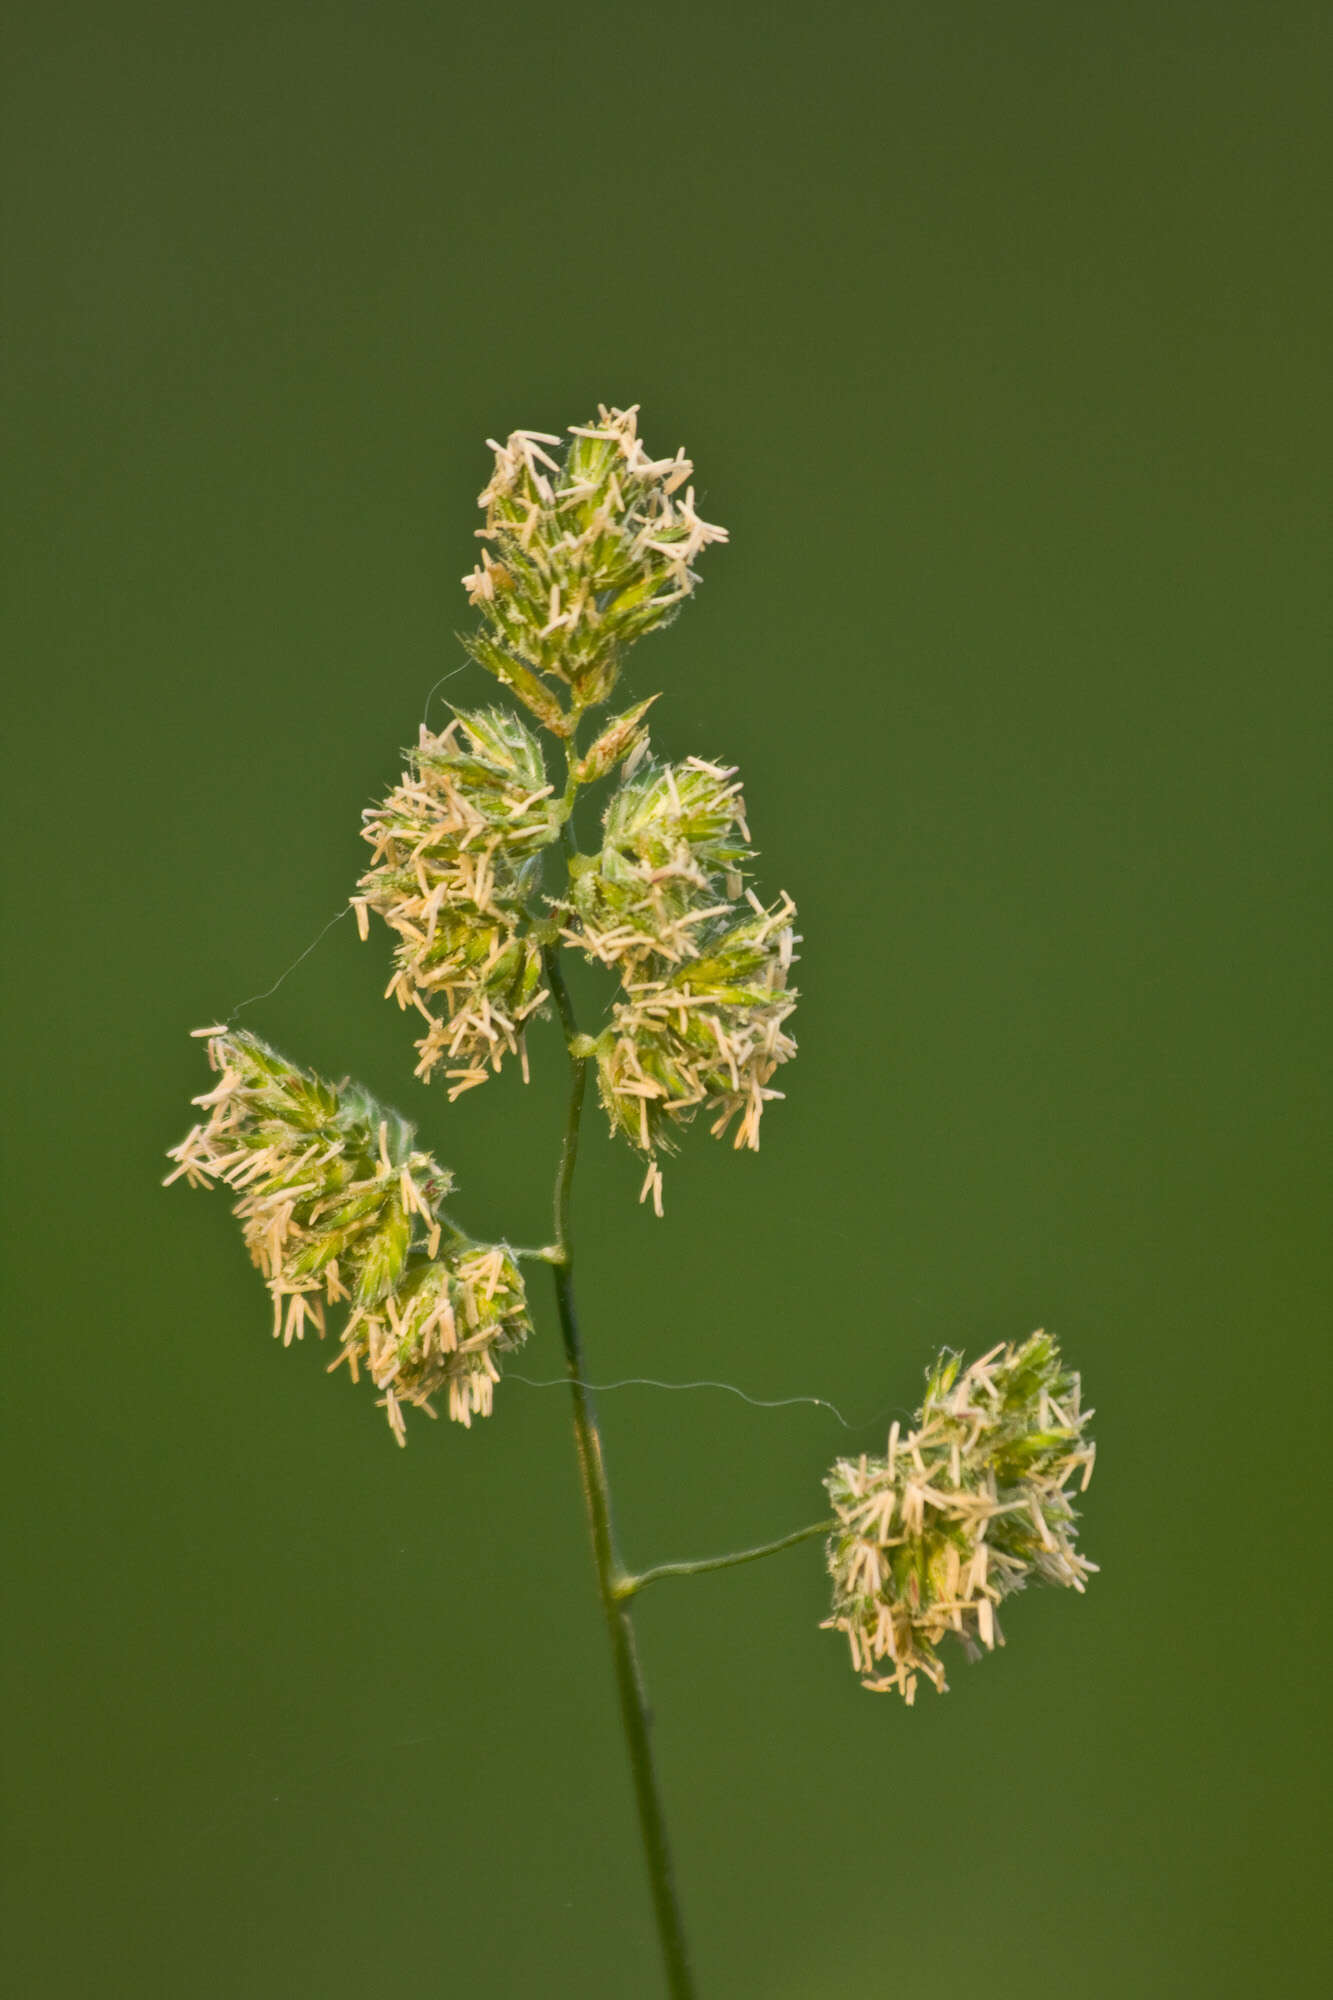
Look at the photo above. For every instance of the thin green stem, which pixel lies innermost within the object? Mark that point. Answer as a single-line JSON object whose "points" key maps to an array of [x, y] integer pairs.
{"points": [[597, 1497], [571, 749], [630, 1585]]}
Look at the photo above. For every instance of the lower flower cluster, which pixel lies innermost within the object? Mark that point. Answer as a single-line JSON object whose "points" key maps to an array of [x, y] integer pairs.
{"points": [[338, 1205], [963, 1511]]}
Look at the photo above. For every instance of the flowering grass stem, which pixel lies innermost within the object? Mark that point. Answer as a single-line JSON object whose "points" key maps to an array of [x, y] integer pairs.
{"points": [[340, 1208], [611, 1577]]}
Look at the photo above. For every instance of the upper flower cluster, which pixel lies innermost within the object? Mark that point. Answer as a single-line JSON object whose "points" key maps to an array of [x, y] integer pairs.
{"points": [[457, 849], [961, 1512], [338, 1204], [582, 554], [702, 963]]}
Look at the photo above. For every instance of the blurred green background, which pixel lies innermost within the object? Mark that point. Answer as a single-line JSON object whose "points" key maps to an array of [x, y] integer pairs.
{"points": [[998, 335]]}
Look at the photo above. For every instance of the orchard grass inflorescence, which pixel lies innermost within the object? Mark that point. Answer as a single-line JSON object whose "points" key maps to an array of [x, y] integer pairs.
{"points": [[589, 544]]}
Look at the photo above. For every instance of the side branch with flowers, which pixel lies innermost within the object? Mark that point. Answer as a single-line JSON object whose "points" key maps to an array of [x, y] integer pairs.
{"points": [[588, 545]]}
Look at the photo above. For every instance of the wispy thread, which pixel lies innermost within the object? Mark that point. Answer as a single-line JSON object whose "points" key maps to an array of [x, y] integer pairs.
{"points": [[254, 999], [731, 1388], [451, 675]]}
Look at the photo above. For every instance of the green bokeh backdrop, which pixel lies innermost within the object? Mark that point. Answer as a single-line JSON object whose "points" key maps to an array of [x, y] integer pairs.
{"points": [[999, 337]]}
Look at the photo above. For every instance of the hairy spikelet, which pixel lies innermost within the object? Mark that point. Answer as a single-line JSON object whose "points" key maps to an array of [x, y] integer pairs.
{"points": [[441, 1330]]}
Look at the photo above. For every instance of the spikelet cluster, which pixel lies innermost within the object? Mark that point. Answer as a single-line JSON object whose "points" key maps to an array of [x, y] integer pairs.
{"points": [[582, 553], [962, 1512], [441, 1330], [702, 963], [457, 858], [338, 1205]]}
